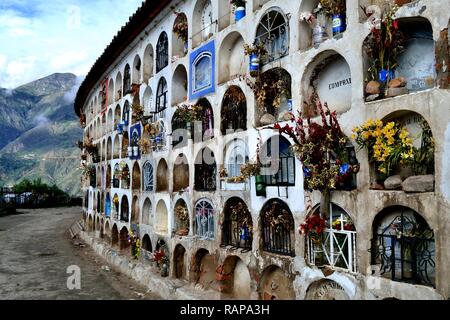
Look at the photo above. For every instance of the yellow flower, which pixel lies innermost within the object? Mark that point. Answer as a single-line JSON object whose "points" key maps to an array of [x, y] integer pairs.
{"points": [[379, 123], [382, 169], [366, 135]]}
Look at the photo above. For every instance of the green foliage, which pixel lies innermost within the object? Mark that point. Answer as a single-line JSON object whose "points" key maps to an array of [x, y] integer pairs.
{"points": [[37, 187]]}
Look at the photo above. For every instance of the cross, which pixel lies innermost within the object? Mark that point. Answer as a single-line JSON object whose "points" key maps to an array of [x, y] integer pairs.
{"points": [[342, 220]]}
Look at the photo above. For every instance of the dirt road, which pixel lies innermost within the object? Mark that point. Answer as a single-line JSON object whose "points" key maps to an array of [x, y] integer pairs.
{"points": [[35, 252]]}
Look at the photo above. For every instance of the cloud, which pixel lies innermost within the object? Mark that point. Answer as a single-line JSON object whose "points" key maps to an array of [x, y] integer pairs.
{"points": [[69, 96], [41, 121], [45, 37]]}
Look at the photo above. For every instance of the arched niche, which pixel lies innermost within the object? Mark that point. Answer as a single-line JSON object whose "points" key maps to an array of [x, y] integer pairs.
{"points": [[327, 78], [109, 121], [125, 145], [147, 101], [116, 206], [147, 212], [116, 176], [273, 100], [116, 151], [108, 205], [234, 111], [180, 173], [203, 269], [161, 218], [162, 52], [147, 243], [107, 231], [277, 228], [305, 34], [326, 290], [204, 219], [127, 80], [237, 228], [236, 155], [203, 25], [278, 162], [207, 118], [136, 182], [126, 112], [235, 280], [417, 64], [135, 210], [273, 32], [409, 176], [109, 149], [162, 99], [179, 265], [179, 44], [117, 116], [179, 85], [205, 171], [276, 285], [125, 176], [148, 63], [162, 181], [108, 177], [232, 63], [114, 236], [403, 246], [181, 131], [137, 70], [119, 89], [124, 209], [148, 184], [181, 218], [90, 224], [110, 91], [336, 245], [124, 244]]}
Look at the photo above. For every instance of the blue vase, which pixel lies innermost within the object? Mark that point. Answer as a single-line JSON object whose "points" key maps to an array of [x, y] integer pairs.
{"points": [[344, 169], [384, 74], [339, 23], [254, 63], [239, 13], [119, 129]]}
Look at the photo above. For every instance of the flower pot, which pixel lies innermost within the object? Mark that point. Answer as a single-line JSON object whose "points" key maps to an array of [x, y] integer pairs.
{"points": [[290, 105], [239, 13], [339, 23], [260, 186], [386, 75], [254, 64]]}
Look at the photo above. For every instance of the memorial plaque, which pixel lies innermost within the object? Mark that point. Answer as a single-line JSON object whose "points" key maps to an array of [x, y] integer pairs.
{"points": [[326, 290], [413, 124], [334, 85]]}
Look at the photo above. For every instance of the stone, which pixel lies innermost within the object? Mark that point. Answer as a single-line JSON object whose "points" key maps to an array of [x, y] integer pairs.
{"points": [[373, 87], [397, 83], [401, 2], [393, 182], [285, 116], [372, 97], [267, 119], [392, 92], [424, 183]]}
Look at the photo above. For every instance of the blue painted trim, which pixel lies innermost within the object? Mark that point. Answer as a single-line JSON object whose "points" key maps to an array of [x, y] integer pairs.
{"points": [[208, 49]]}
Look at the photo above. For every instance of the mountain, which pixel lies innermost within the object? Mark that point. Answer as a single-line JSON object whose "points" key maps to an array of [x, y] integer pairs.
{"points": [[38, 132]]}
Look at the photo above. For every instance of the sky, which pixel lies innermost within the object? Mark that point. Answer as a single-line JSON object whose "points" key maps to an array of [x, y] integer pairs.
{"points": [[42, 37]]}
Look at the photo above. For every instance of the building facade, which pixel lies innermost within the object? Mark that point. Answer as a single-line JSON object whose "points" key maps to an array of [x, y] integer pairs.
{"points": [[177, 193]]}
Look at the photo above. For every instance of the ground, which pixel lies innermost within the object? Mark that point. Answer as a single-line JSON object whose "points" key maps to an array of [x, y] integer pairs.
{"points": [[36, 250]]}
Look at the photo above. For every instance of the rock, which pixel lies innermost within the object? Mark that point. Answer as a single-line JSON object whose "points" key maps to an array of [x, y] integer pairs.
{"points": [[267, 119], [397, 83], [373, 87], [372, 97], [106, 268], [392, 92], [423, 183], [285, 116], [376, 186], [393, 182]]}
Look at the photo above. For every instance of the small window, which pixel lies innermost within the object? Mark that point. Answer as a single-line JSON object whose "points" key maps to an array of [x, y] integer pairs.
{"points": [[202, 72], [148, 176], [204, 219], [279, 162], [162, 98], [273, 32], [162, 52]]}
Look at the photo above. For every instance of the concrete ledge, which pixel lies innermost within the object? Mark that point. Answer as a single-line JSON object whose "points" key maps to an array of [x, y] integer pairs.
{"points": [[167, 288]]}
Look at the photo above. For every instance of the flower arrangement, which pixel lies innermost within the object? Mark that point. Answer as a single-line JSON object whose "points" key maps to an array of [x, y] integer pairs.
{"points": [[145, 145], [181, 27], [135, 244], [424, 157], [321, 147], [259, 49], [116, 200], [332, 7], [388, 145], [238, 3], [138, 111], [270, 87], [223, 173], [348, 226], [313, 227], [190, 113], [278, 217], [384, 43]]}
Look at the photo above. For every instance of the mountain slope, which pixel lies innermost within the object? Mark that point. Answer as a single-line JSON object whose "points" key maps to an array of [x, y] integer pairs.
{"points": [[38, 131]]}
